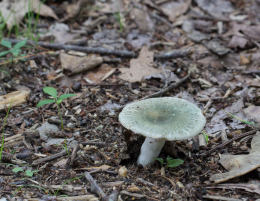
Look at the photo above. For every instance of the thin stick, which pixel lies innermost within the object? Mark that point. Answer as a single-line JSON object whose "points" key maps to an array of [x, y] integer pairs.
{"points": [[49, 158], [228, 142], [73, 155], [169, 88], [95, 188], [103, 51]]}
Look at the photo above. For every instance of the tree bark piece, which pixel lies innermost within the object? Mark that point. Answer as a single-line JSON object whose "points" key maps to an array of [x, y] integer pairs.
{"points": [[13, 99]]}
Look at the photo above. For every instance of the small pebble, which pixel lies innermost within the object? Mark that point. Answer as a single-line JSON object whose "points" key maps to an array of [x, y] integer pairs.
{"points": [[122, 171]]}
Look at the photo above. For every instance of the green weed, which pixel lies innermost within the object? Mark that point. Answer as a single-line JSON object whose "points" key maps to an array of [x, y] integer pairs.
{"points": [[52, 92], [3, 130], [170, 162], [241, 120], [206, 136], [14, 50], [27, 172], [120, 20]]}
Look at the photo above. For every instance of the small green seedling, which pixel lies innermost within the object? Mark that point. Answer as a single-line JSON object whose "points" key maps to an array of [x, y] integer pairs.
{"points": [[54, 99], [170, 162], [206, 136], [121, 21], [3, 130], [241, 120], [27, 172], [14, 50]]}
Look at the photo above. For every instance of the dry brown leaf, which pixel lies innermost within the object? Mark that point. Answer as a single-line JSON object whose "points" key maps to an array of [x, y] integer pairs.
{"points": [[14, 11], [174, 9], [100, 74], [253, 113], [239, 165], [76, 64], [140, 67]]}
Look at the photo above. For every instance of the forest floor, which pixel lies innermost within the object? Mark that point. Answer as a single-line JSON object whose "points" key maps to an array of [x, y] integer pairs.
{"points": [[109, 54]]}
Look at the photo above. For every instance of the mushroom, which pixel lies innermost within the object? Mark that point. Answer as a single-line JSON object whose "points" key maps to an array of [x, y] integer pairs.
{"points": [[161, 119]]}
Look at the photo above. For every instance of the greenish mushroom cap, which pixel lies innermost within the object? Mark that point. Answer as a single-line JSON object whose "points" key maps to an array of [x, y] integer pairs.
{"points": [[166, 117]]}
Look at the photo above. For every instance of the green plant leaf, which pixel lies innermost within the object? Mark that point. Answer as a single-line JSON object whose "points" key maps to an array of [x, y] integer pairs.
{"points": [[64, 96], [6, 43], [206, 137], [161, 161], [45, 102], [17, 169], [171, 162], [4, 53], [50, 91], [29, 173], [15, 52], [20, 44]]}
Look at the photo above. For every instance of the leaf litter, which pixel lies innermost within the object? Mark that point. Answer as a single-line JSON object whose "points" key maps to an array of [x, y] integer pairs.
{"points": [[94, 157]]}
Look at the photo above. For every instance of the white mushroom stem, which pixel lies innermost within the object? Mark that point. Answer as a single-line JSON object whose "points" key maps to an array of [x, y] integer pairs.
{"points": [[150, 150]]}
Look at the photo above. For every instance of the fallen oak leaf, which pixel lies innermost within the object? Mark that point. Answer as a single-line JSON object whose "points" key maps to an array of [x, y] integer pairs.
{"points": [[140, 67], [239, 165]]}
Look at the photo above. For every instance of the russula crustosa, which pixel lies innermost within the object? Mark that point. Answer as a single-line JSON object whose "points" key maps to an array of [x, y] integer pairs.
{"points": [[161, 119]]}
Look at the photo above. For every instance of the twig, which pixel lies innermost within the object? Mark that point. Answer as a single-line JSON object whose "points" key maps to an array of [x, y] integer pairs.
{"points": [[169, 88], [95, 188], [103, 51], [73, 155], [228, 142], [173, 54], [58, 46], [49, 158]]}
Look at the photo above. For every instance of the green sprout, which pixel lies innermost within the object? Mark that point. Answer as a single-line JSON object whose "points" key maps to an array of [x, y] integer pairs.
{"points": [[170, 162], [121, 21], [241, 120], [27, 172], [2, 131], [206, 136], [14, 50], [54, 99]]}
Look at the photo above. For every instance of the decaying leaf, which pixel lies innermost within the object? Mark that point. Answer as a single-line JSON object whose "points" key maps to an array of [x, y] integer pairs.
{"points": [[140, 67], [174, 9], [239, 165], [253, 113], [76, 64], [142, 19], [14, 11], [100, 74], [218, 9]]}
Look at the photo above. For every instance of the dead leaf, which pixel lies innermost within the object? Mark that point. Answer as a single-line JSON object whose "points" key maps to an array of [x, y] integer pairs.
{"points": [[100, 74], [218, 9], [76, 64], [142, 19], [140, 67], [252, 186], [253, 113], [239, 165], [75, 9], [14, 11], [217, 122], [174, 9], [61, 33]]}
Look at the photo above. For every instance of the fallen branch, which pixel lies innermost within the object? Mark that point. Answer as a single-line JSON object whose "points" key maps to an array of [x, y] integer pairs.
{"points": [[103, 51], [169, 88]]}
